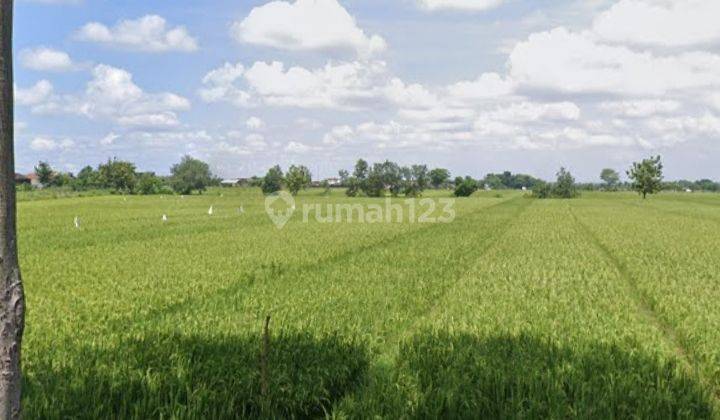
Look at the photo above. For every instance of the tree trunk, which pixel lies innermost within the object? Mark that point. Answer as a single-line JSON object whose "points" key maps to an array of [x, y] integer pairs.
{"points": [[12, 299]]}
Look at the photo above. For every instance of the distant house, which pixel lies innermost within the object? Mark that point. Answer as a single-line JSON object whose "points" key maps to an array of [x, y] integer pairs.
{"points": [[34, 180], [21, 179], [229, 182], [333, 182], [29, 179], [234, 182]]}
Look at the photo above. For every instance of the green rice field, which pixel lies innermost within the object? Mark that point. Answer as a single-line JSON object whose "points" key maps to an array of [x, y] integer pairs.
{"points": [[607, 306]]}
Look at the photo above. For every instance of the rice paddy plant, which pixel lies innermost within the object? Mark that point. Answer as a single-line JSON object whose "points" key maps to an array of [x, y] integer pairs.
{"points": [[600, 307]]}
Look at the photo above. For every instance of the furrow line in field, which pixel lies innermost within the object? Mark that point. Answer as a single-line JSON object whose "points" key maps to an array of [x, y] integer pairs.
{"points": [[645, 308], [480, 250], [298, 270], [684, 354]]}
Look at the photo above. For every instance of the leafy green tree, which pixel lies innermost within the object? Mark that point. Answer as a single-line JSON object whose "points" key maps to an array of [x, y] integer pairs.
{"points": [[707, 185], [374, 185], [611, 178], [465, 187], [86, 179], [118, 175], [493, 181], [510, 181], [352, 187], [190, 175], [439, 177], [565, 185], [542, 190], [390, 175], [415, 180], [148, 184], [273, 180], [344, 176], [44, 173], [62, 179], [647, 176], [297, 178], [358, 181], [361, 170]]}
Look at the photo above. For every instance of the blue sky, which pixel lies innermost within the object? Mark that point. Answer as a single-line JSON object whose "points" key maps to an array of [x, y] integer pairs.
{"points": [[476, 86]]}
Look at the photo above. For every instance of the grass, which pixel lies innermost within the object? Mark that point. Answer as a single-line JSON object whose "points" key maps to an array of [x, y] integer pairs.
{"points": [[605, 306]]}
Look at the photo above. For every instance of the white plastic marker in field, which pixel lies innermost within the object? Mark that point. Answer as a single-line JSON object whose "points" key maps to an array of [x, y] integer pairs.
{"points": [[77, 222], [211, 211], [164, 218], [241, 210]]}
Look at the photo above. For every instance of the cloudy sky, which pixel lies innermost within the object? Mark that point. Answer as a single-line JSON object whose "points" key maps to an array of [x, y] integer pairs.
{"points": [[476, 86]]}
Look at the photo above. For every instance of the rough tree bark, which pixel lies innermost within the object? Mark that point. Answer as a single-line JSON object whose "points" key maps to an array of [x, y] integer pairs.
{"points": [[12, 299]]}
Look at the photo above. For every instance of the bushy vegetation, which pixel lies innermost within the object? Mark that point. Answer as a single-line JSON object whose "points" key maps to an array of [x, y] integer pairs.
{"points": [[380, 179], [122, 177], [596, 307], [508, 180], [273, 180], [190, 175], [465, 187], [564, 187]]}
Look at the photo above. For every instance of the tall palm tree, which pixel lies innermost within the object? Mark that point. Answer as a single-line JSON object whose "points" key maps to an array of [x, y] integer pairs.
{"points": [[12, 298]]}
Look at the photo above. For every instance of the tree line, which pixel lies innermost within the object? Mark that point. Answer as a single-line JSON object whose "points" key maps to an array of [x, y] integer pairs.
{"points": [[370, 180], [121, 176]]}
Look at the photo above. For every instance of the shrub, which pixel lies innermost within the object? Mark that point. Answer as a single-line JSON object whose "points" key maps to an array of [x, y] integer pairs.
{"points": [[465, 187]]}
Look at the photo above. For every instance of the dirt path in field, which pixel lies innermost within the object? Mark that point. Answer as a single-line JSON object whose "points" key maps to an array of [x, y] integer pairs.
{"points": [[647, 311]]}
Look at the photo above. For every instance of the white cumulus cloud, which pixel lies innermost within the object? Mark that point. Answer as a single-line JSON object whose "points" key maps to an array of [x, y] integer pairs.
{"points": [[110, 94], [34, 95], [47, 144], [675, 23], [640, 108], [303, 25], [46, 59], [150, 33], [570, 62], [464, 5], [255, 123]]}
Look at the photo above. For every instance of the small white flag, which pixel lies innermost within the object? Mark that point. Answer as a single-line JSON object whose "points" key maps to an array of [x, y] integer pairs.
{"points": [[210, 211], [241, 210], [77, 222], [164, 218]]}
